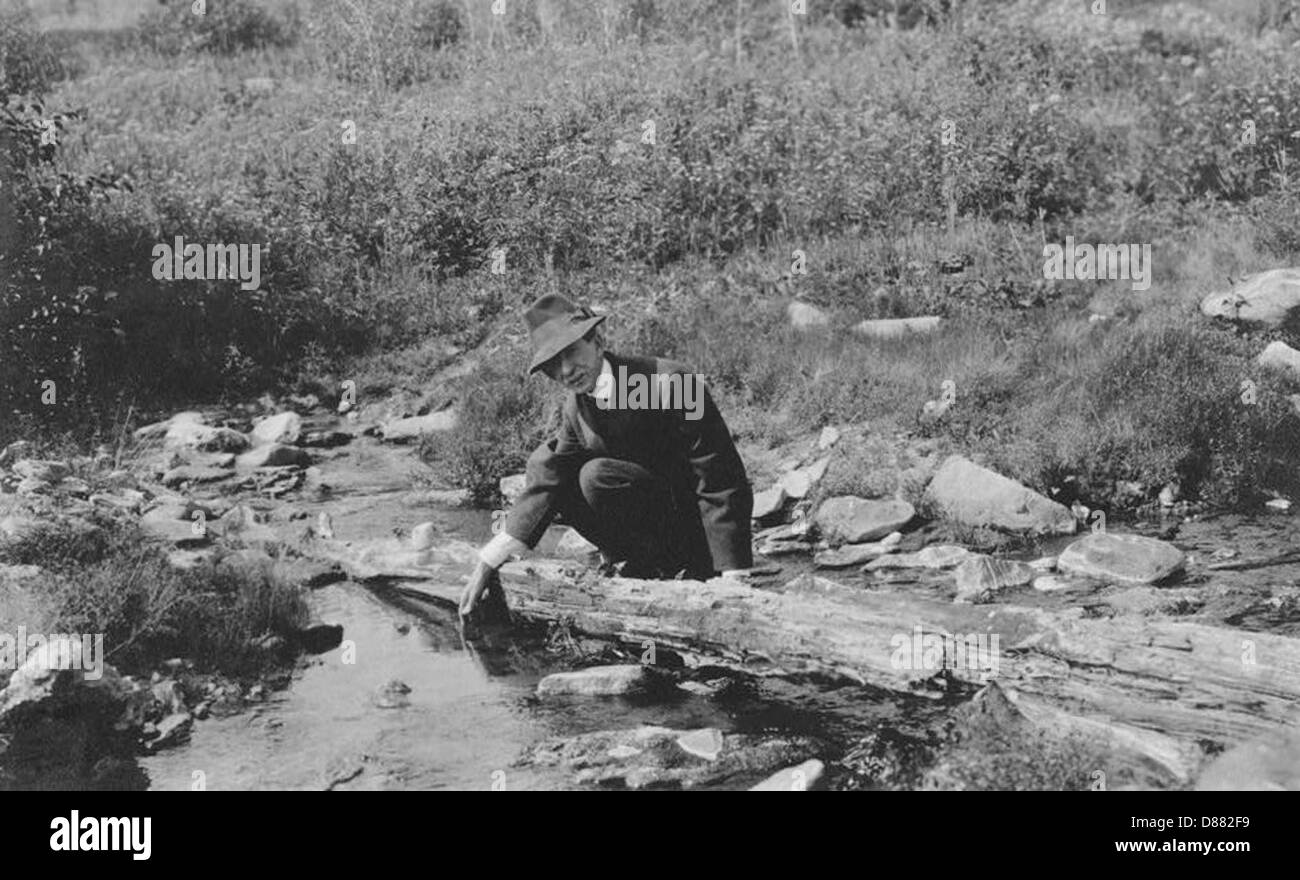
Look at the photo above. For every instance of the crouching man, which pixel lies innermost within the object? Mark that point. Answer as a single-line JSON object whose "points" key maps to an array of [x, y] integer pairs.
{"points": [[643, 466]]}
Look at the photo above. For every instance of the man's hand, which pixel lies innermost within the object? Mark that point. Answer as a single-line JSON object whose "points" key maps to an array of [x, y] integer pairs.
{"points": [[481, 580]]}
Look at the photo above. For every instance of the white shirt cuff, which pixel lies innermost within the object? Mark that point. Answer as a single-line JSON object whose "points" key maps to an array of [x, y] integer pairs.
{"points": [[499, 549]]}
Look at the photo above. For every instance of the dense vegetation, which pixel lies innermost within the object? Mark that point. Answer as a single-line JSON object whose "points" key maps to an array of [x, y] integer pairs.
{"points": [[665, 159]]}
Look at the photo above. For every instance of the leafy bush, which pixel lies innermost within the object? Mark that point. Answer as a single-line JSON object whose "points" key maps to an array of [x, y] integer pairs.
{"points": [[29, 63], [224, 28]]}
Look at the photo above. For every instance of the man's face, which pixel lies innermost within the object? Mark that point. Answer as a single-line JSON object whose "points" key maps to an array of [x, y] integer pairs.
{"points": [[577, 367]]}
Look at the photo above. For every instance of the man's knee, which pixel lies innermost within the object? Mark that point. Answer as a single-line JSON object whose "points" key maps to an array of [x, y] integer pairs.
{"points": [[597, 477]]}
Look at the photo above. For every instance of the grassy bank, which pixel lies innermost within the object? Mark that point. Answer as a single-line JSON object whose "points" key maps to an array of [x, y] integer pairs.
{"points": [[666, 161]]}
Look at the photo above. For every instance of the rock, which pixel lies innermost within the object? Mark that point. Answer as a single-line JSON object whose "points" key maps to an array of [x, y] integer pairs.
{"points": [[573, 546], [1267, 298], [651, 757], [169, 696], [1267, 763], [42, 470], [324, 526], [319, 638], [1281, 504], [73, 486], [706, 743], [193, 474], [1056, 583], [402, 430], [325, 439], [942, 556], [851, 554], [1127, 559], [768, 502], [14, 452], [1169, 494], [439, 498], [979, 577], [422, 536], [172, 730], [1044, 563], [797, 483], [206, 438], [598, 681], [801, 778], [30, 486], [851, 520], [188, 560], [392, 694], [14, 575], [830, 435], [64, 676], [285, 427], [273, 455], [891, 328], [512, 487], [172, 524], [806, 317], [1277, 355], [971, 495]]}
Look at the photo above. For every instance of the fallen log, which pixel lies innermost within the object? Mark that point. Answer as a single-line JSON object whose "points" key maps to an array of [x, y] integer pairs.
{"points": [[1161, 687]]}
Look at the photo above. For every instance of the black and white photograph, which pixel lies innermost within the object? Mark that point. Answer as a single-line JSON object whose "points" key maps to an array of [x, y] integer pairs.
{"points": [[635, 395]]}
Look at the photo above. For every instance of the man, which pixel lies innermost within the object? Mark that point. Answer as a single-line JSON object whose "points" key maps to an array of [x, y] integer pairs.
{"points": [[651, 478]]}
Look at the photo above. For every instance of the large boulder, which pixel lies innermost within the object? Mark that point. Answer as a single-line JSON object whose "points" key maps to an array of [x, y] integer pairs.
{"points": [[285, 427], [1278, 355], [1267, 298], [1128, 559], [848, 519], [966, 493], [1267, 763], [189, 429], [44, 471], [980, 577]]}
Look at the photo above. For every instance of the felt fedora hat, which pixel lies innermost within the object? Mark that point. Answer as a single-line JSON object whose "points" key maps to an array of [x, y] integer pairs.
{"points": [[554, 323]]}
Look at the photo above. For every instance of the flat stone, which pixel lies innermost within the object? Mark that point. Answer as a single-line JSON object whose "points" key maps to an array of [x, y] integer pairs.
{"points": [[1044, 563], [173, 524], [942, 556], [971, 495], [799, 482], [285, 427], [979, 577], [1267, 763], [851, 554], [851, 520], [207, 438], [193, 474], [829, 436], [706, 743], [799, 778], [423, 536], [1060, 583], [172, 730], [402, 430], [596, 681], [1127, 559], [892, 328], [325, 439], [1267, 298], [40, 469], [273, 455]]}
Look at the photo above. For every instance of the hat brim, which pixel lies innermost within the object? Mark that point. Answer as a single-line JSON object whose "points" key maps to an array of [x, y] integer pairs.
{"points": [[563, 338]]}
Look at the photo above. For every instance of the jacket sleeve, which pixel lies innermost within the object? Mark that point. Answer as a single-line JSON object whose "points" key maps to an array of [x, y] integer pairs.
{"points": [[721, 486], [552, 466]]}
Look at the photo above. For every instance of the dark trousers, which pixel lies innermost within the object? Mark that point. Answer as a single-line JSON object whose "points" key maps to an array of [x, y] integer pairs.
{"points": [[628, 512]]}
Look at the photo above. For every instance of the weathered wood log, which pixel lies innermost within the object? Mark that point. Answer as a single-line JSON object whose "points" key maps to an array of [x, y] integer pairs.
{"points": [[1161, 687]]}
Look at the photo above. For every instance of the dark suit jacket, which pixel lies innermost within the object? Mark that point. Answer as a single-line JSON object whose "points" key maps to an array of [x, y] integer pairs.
{"points": [[696, 457]]}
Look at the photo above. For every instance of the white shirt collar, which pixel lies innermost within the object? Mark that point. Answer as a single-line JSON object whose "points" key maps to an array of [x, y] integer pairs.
{"points": [[604, 389]]}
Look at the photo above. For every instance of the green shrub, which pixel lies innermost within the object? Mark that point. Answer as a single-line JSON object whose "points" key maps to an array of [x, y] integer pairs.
{"points": [[225, 28]]}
